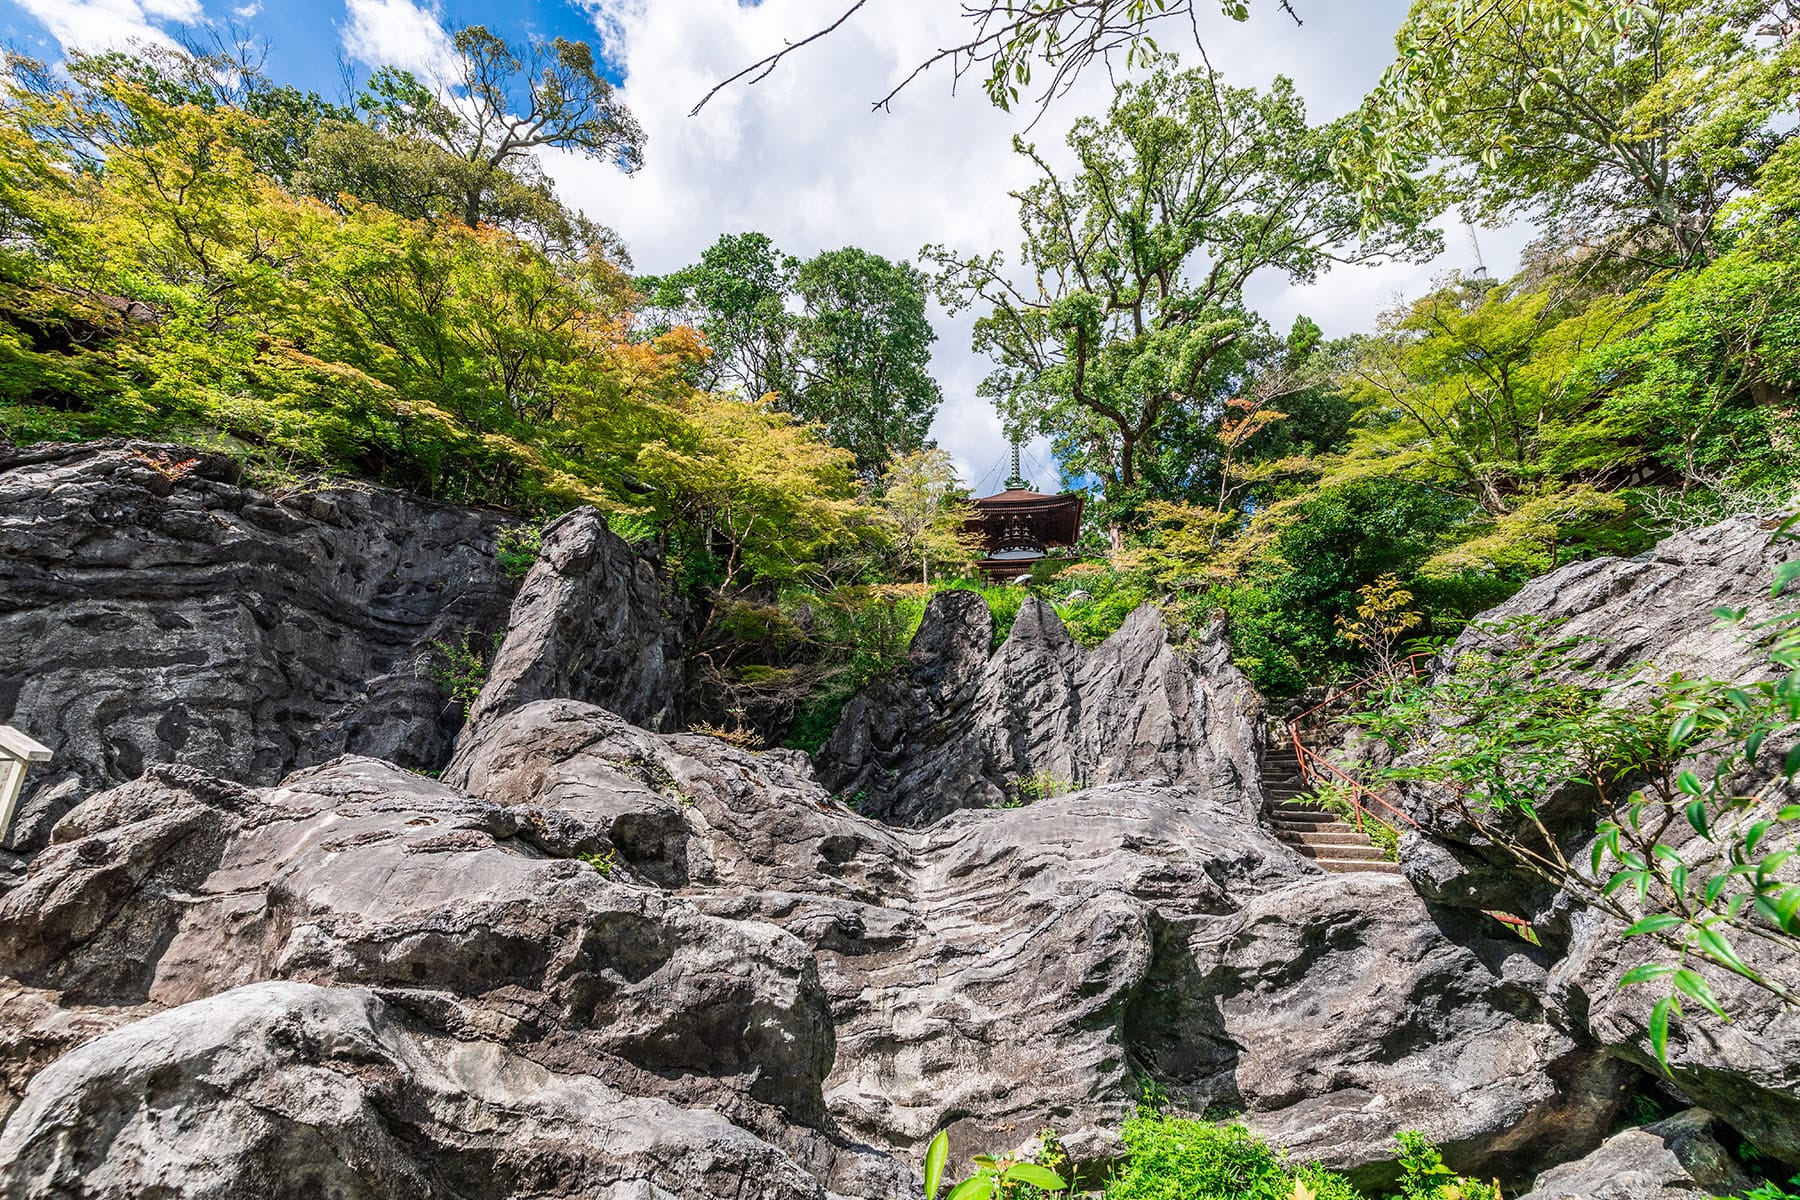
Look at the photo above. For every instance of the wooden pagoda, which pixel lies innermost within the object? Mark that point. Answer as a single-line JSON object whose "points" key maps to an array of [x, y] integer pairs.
{"points": [[1018, 526]]}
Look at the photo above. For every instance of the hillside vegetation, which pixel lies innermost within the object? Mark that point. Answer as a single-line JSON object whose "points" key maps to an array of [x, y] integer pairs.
{"points": [[390, 289]]}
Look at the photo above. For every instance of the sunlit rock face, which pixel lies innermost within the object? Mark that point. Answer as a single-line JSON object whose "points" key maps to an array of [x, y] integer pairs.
{"points": [[153, 609], [969, 724]]}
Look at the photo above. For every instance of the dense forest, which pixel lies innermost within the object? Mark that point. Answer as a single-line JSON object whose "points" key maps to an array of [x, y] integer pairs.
{"points": [[387, 287]]}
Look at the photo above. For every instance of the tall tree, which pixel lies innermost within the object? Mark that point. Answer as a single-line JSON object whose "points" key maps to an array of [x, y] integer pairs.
{"points": [[863, 355], [1139, 259], [840, 339], [1628, 125]]}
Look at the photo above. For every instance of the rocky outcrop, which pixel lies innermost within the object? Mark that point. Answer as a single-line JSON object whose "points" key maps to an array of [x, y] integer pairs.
{"points": [[590, 623], [1655, 610], [290, 1089], [586, 917], [968, 726], [153, 609], [1677, 1158]]}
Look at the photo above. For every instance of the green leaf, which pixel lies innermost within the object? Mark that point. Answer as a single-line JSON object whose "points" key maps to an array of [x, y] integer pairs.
{"points": [[1645, 973], [1659, 1033], [1036, 1176], [1791, 764], [1696, 815], [935, 1156], [1687, 781], [1654, 923], [976, 1187], [1693, 984], [1755, 834], [1715, 947]]}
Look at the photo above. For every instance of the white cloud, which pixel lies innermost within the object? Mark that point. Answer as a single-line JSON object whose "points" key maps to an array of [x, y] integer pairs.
{"points": [[110, 24], [397, 33], [245, 12]]}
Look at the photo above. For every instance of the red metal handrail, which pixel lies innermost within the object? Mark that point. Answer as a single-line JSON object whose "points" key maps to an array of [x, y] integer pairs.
{"points": [[1305, 755]]}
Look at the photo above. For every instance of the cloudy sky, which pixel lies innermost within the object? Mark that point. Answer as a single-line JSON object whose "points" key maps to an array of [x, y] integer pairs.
{"points": [[800, 156]]}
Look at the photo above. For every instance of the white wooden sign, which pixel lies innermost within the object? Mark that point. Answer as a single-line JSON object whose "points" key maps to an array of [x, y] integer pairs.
{"points": [[17, 752]]}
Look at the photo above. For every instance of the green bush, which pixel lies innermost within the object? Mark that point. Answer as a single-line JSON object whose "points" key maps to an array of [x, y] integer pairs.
{"points": [[1171, 1158]]}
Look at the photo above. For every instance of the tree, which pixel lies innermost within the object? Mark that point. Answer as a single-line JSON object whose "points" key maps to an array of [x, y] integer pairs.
{"points": [[1184, 191], [736, 296], [1478, 385], [840, 339], [928, 507], [1009, 39], [500, 103], [863, 355], [1627, 125]]}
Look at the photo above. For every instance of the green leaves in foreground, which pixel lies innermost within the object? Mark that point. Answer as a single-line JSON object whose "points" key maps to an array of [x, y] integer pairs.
{"points": [[990, 1174]]}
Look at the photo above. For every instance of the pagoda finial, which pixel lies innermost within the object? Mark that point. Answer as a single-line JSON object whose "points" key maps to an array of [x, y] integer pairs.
{"points": [[1017, 478]]}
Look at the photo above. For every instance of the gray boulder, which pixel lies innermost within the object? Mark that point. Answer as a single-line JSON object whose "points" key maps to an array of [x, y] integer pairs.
{"points": [[1675, 1159], [289, 1089], [153, 609], [969, 726], [1655, 610], [590, 623], [1337, 1011]]}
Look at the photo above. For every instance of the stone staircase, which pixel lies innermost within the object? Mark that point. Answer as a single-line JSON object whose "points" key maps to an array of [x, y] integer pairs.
{"points": [[1324, 837]]}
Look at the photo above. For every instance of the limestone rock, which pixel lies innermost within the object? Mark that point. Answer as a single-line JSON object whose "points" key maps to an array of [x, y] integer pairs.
{"points": [[1012, 968], [289, 1089], [1655, 610], [590, 623], [967, 726], [1677, 1158], [1336, 1011], [155, 612]]}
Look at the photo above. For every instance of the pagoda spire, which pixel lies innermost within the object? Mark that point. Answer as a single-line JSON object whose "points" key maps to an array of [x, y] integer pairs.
{"points": [[1017, 478]]}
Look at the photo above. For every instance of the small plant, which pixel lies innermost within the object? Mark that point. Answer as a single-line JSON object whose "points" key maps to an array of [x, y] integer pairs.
{"points": [[163, 465], [460, 667], [1039, 785], [1423, 1175], [743, 739], [1176, 1158], [1769, 1191], [1384, 614], [1334, 797], [517, 549], [605, 863], [993, 1176]]}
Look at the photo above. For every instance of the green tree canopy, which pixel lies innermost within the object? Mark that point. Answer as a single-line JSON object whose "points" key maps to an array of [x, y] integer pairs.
{"points": [[1138, 262], [840, 340]]}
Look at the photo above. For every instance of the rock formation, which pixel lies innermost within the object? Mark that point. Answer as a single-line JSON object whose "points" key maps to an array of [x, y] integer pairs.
{"points": [[590, 623], [968, 726], [595, 958], [1677, 1158], [153, 609], [1656, 610]]}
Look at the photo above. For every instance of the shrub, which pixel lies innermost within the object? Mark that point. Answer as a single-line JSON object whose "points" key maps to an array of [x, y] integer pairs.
{"points": [[1172, 1158]]}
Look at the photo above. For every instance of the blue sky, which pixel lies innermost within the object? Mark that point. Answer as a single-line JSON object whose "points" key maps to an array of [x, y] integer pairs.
{"points": [[800, 156], [305, 40]]}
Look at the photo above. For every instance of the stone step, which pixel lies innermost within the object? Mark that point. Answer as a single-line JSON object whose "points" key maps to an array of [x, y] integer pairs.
{"points": [[1341, 867], [1304, 812], [1362, 853], [1323, 836]]}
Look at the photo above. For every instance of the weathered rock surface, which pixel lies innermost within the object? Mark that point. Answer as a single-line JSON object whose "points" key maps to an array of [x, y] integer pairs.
{"points": [[146, 618], [967, 725], [590, 623], [1677, 1158], [1337, 1011], [1009, 969], [289, 1089], [1656, 610]]}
